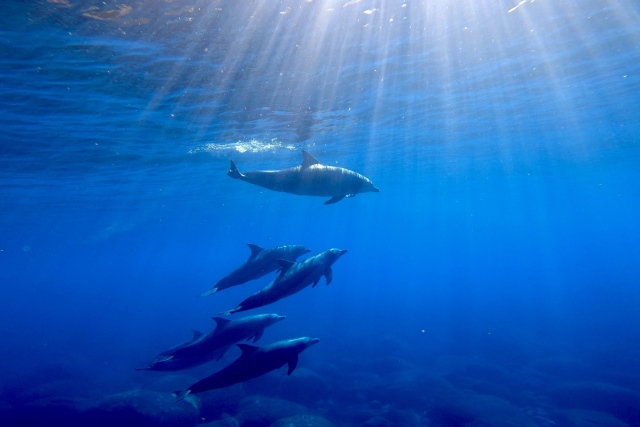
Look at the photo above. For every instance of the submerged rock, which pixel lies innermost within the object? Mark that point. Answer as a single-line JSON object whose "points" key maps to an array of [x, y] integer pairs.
{"points": [[403, 418], [171, 382], [225, 421], [59, 402], [303, 421], [410, 393], [377, 421], [216, 403], [304, 386], [46, 411], [370, 414], [620, 402], [562, 368], [141, 408], [262, 411], [484, 378], [477, 410], [583, 418]]}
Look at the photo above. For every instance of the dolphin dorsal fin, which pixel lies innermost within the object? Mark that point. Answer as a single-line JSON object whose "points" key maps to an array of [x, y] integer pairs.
{"points": [[255, 250], [247, 349], [196, 335], [285, 265], [220, 321], [308, 160]]}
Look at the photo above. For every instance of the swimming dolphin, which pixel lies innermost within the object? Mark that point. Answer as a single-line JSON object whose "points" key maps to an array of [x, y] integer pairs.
{"points": [[253, 362], [294, 276], [204, 348], [311, 178], [261, 262]]}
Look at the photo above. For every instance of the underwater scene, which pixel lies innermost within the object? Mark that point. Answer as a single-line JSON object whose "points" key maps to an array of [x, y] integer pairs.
{"points": [[320, 213]]}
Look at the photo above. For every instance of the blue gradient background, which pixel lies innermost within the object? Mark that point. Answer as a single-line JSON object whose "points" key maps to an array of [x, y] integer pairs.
{"points": [[505, 145]]}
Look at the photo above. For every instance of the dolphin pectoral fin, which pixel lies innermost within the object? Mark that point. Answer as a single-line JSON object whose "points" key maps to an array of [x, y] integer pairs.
{"points": [[315, 283], [292, 364], [334, 199], [308, 160], [193, 400], [209, 292], [230, 312], [328, 275], [221, 353], [179, 395], [258, 335]]}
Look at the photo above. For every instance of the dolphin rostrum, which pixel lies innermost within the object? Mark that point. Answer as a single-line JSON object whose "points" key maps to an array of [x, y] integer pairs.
{"points": [[253, 362], [203, 348], [261, 262], [311, 178], [294, 277]]}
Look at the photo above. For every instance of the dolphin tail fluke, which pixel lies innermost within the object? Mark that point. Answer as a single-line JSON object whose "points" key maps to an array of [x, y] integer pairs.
{"points": [[209, 292], [180, 395], [233, 171]]}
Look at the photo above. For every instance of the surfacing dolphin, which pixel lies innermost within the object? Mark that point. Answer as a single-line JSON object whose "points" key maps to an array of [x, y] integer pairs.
{"points": [[204, 348], [253, 362], [311, 178], [294, 277], [261, 262]]}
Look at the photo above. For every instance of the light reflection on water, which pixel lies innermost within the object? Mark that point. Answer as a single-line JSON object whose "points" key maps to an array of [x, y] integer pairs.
{"points": [[250, 146]]}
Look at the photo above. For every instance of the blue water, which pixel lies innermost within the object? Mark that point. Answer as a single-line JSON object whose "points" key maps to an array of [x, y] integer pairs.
{"points": [[493, 281]]}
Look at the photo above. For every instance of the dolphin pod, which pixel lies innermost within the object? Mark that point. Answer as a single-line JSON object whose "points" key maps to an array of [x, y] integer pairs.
{"points": [[294, 276], [212, 346], [253, 362], [261, 262], [311, 178]]}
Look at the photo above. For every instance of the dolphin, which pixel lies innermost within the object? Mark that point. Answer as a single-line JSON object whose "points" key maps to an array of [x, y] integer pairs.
{"points": [[253, 362], [203, 348], [311, 178], [294, 277], [261, 262]]}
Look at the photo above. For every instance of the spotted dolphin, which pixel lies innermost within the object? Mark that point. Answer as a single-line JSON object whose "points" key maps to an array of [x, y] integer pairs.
{"points": [[294, 276], [212, 346], [311, 178], [261, 262], [254, 362]]}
